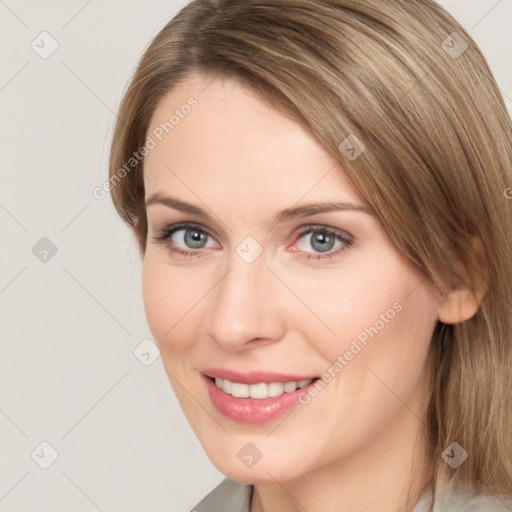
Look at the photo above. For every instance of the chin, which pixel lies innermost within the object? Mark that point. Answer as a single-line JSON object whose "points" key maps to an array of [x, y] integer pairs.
{"points": [[261, 472]]}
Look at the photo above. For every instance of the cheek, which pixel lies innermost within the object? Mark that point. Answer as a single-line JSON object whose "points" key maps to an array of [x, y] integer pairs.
{"points": [[391, 345], [378, 316], [169, 297], [346, 302]]}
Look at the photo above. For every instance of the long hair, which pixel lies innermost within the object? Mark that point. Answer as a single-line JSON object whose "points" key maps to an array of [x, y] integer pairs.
{"points": [[401, 95]]}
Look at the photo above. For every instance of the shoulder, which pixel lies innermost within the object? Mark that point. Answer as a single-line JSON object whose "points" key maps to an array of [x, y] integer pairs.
{"points": [[228, 496], [459, 500]]}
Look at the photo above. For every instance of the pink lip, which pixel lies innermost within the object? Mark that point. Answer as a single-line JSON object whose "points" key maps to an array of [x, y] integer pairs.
{"points": [[254, 377], [253, 410]]}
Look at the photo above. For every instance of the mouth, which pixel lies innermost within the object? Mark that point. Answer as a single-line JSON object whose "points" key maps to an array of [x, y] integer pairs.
{"points": [[256, 403]]}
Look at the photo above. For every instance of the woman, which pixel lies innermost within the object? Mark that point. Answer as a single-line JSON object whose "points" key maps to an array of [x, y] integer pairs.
{"points": [[319, 194]]}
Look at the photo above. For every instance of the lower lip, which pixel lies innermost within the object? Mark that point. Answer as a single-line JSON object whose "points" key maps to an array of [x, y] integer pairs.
{"points": [[253, 410]]}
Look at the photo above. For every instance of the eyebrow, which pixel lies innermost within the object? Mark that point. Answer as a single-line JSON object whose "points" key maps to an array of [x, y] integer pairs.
{"points": [[283, 215]]}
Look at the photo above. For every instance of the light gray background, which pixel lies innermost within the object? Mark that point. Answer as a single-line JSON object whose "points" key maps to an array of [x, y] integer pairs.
{"points": [[69, 325]]}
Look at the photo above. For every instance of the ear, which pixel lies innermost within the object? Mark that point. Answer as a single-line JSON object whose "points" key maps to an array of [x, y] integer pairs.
{"points": [[460, 303]]}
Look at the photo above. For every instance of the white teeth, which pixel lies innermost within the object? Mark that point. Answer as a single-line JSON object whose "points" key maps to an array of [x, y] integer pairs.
{"points": [[260, 390], [239, 390], [226, 386], [290, 386], [275, 389]]}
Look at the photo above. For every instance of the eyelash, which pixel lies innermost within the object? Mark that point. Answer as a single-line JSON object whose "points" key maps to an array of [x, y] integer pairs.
{"points": [[168, 231]]}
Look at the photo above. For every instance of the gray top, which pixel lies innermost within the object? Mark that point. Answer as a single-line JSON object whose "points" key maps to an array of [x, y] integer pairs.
{"points": [[230, 496]]}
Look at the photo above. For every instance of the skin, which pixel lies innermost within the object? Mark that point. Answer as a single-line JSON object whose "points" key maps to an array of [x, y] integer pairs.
{"points": [[357, 444]]}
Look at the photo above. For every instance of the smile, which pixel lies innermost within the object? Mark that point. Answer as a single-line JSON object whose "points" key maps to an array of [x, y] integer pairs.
{"points": [[261, 390], [256, 403]]}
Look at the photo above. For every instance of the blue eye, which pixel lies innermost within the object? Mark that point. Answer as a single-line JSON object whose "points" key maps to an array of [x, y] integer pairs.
{"points": [[317, 242], [321, 242], [190, 238], [185, 239]]}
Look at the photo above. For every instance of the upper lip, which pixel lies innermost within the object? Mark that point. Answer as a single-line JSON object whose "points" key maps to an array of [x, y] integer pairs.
{"points": [[254, 377]]}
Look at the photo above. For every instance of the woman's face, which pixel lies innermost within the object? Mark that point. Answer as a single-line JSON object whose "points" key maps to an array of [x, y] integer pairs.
{"points": [[250, 277]]}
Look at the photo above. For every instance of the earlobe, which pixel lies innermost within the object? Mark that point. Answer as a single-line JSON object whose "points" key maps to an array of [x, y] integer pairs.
{"points": [[461, 304], [457, 306]]}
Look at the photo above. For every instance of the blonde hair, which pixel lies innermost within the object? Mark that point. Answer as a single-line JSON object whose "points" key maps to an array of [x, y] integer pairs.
{"points": [[409, 82]]}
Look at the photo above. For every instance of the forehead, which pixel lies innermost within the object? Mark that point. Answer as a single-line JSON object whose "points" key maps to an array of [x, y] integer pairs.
{"points": [[218, 136]]}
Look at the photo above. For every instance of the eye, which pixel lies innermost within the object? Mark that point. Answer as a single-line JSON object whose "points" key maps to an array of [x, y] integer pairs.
{"points": [[190, 238], [320, 241], [316, 242], [185, 239]]}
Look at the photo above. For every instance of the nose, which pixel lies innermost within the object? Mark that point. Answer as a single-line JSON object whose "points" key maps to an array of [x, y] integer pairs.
{"points": [[246, 307]]}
